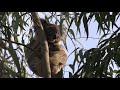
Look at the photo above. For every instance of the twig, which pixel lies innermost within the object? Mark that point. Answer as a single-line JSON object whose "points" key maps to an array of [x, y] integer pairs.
{"points": [[85, 37], [17, 43]]}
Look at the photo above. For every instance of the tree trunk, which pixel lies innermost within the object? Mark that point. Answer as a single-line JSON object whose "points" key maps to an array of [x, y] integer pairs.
{"points": [[44, 45]]}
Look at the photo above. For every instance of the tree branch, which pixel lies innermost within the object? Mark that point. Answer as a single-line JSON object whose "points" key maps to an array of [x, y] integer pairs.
{"points": [[44, 45]]}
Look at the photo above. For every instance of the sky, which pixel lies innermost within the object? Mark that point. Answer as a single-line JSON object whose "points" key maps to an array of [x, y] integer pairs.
{"points": [[86, 44]]}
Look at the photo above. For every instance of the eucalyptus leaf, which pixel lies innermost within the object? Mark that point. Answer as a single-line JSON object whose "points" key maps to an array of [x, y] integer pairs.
{"points": [[85, 25]]}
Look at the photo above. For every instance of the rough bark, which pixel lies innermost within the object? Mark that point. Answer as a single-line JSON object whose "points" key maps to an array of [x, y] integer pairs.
{"points": [[44, 45]]}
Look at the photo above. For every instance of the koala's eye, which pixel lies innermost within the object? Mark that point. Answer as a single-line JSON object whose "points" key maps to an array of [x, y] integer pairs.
{"points": [[50, 33], [56, 31]]}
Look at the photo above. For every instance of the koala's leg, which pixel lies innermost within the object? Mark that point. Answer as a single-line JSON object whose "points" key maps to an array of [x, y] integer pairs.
{"points": [[34, 58], [35, 65]]}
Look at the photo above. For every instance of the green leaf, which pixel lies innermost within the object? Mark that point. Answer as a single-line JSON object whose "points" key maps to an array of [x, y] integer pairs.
{"points": [[8, 33], [66, 15], [65, 44], [100, 22], [72, 33], [70, 23], [75, 17], [116, 71], [12, 73], [15, 26], [103, 37], [23, 70], [104, 43], [90, 17], [81, 56], [85, 25], [2, 15], [23, 38], [15, 37], [118, 16], [15, 57], [72, 67], [21, 27], [70, 74]]}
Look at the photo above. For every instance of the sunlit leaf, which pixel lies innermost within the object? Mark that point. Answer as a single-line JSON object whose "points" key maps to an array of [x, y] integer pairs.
{"points": [[72, 33]]}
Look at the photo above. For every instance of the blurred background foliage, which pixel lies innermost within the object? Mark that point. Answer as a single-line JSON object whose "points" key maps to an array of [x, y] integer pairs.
{"points": [[99, 62]]}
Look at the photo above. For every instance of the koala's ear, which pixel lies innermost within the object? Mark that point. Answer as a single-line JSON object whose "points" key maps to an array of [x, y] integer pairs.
{"points": [[44, 22]]}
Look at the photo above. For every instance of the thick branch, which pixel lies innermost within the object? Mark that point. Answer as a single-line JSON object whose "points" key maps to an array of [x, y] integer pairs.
{"points": [[44, 45]]}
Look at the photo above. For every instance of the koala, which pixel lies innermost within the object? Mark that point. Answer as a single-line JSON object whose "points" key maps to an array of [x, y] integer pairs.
{"points": [[57, 53]]}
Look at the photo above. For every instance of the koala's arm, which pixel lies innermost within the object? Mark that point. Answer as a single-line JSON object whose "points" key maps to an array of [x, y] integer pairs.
{"points": [[57, 60]]}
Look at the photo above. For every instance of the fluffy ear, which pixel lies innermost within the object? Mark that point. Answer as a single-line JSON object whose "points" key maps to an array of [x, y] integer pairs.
{"points": [[43, 21]]}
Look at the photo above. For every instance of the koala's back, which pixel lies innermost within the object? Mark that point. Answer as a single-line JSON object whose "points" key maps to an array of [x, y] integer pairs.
{"points": [[34, 58]]}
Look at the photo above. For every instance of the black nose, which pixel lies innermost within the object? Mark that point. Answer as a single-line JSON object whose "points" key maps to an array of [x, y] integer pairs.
{"points": [[60, 64], [56, 37]]}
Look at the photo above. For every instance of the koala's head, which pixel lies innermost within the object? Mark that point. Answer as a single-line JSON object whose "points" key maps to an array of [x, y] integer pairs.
{"points": [[52, 31]]}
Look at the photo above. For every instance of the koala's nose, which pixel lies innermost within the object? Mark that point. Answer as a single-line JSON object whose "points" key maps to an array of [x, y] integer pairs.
{"points": [[56, 36]]}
